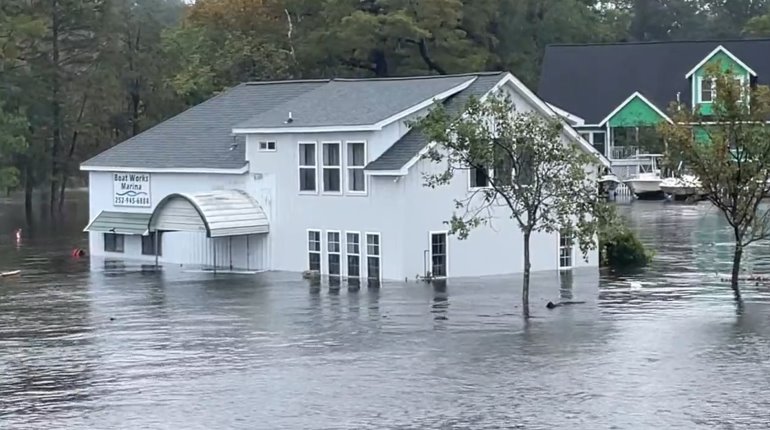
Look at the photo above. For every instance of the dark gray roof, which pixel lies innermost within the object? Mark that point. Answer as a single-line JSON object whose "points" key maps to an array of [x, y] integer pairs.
{"points": [[414, 141], [590, 81], [200, 137], [351, 102]]}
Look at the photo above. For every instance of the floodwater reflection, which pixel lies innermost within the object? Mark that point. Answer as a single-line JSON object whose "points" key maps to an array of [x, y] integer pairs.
{"points": [[113, 345]]}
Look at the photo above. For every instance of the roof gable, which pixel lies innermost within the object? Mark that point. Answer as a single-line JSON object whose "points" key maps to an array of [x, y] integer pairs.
{"points": [[407, 151], [636, 110], [591, 80], [715, 55]]}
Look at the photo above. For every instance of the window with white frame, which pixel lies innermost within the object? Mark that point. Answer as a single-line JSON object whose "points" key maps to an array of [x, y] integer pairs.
{"points": [[333, 251], [332, 167], [307, 167], [706, 90], [267, 146], [479, 177], [438, 254], [373, 263], [353, 251], [314, 250], [356, 160], [565, 249]]}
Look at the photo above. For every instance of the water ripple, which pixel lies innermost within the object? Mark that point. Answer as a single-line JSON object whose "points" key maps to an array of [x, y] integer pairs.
{"points": [[113, 345]]}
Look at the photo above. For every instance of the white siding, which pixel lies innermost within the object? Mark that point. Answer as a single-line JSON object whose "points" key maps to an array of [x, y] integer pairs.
{"points": [[189, 248], [292, 214], [400, 209]]}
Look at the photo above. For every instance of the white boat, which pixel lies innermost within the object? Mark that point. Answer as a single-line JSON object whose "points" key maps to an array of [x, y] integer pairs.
{"points": [[608, 183], [682, 187], [646, 182]]}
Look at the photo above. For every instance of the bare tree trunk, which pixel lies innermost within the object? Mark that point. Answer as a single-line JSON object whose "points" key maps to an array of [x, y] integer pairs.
{"points": [[525, 287], [737, 255], [55, 104], [28, 189]]}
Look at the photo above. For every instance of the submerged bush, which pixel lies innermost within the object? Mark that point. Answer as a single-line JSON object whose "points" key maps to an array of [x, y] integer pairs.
{"points": [[621, 249]]}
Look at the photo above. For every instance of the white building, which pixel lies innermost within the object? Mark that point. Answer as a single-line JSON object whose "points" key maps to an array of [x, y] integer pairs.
{"points": [[297, 175]]}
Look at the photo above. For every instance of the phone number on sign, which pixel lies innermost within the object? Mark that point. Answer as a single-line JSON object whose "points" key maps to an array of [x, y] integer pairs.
{"points": [[133, 201]]}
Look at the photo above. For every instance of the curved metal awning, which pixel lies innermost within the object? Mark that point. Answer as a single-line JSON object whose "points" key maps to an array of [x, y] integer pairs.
{"points": [[218, 213]]}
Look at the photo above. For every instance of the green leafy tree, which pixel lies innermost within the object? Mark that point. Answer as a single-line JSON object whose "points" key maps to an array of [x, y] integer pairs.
{"points": [[225, 42], [13, 128], [404, 37], [525, 27], [532, 174], [758, 26], [728, 148]]}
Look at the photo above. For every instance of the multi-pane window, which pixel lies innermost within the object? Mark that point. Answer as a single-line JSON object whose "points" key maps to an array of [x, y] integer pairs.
{"points": [[599, 141], [148, 244], [356, 160], [113, 242], [373, 266], [307, 167], [353, 251], [314, 250], [565, 249], [438, 254], [332, 167], [333, 249], [707, 90], [267, 146]]}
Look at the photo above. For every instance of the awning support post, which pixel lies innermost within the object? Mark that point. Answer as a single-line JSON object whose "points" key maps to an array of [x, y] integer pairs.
{"points": [[214, 247], [231, 252], [248, 255], [157, 239]]}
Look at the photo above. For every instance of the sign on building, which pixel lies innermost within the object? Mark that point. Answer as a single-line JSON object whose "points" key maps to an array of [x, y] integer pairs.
{"points": [[131, 189]]}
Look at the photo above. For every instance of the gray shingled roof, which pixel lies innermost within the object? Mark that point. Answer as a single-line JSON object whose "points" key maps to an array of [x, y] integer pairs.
{"points": [[200, 137], [348, 102], [413, 142]]}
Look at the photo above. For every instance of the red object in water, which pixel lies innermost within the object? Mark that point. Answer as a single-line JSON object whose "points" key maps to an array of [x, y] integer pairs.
{"points": [[78, 252]]}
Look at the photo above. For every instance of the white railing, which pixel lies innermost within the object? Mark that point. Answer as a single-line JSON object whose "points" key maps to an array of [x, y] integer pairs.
{"points": [[622, 152]]}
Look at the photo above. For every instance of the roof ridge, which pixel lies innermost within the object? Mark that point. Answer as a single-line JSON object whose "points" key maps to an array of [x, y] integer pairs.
{"points": [[662, 42], [287, 81], [417, 77]]}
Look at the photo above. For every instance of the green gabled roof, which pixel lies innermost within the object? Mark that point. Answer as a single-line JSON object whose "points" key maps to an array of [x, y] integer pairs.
{"points": [[636, 110]]}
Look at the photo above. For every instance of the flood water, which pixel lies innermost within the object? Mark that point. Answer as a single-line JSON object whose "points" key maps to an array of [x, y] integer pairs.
{"points": [[106, 345]]}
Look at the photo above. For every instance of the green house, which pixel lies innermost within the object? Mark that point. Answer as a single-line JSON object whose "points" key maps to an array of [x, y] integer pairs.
{"points": [[616, 94]]}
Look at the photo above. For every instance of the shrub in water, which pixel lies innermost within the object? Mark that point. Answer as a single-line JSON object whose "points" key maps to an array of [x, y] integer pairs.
{"points": [[621, 249]]}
